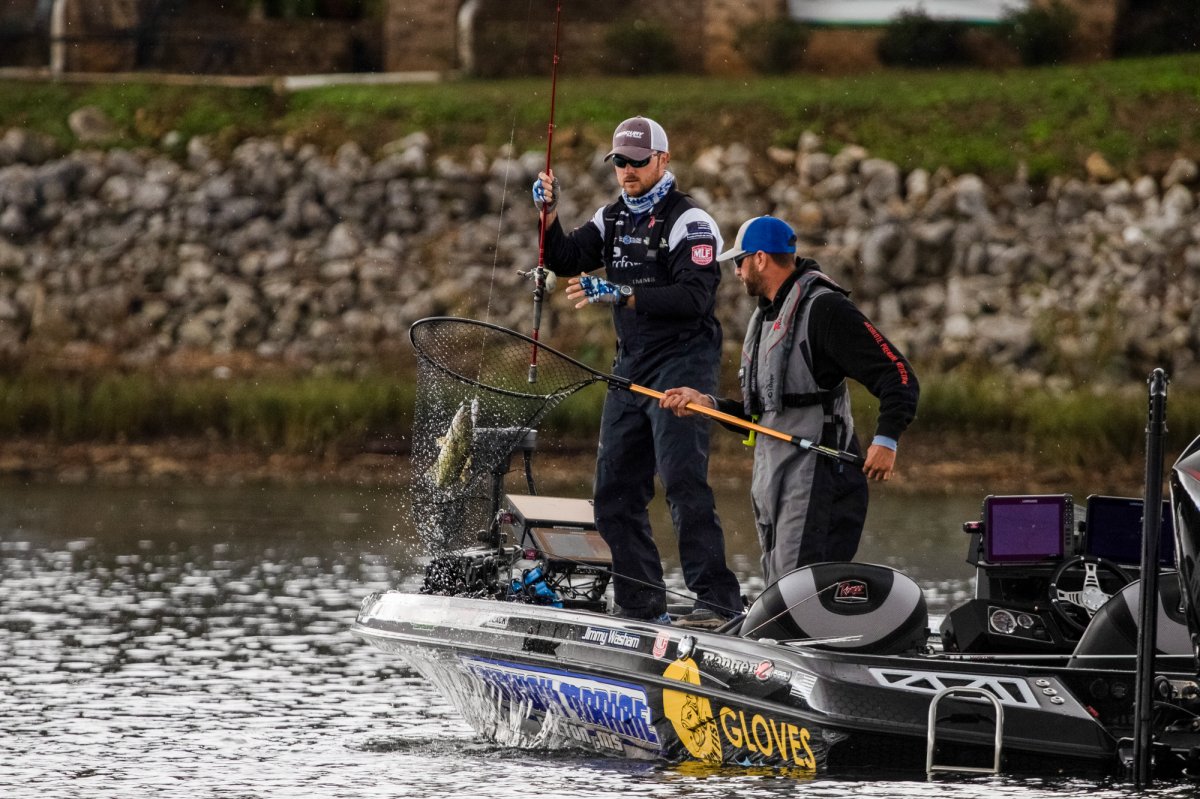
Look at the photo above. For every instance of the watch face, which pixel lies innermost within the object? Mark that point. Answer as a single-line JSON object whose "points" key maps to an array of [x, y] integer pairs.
{"points": [[626, 291]]}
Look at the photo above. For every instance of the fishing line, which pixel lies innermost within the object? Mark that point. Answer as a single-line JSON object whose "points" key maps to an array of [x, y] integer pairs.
{"points": [[508, 162], [790, 608], [539, 271], [683, 595]]}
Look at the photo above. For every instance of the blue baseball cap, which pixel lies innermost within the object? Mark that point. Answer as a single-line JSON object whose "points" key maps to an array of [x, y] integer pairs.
{"points": [[765, 233]]}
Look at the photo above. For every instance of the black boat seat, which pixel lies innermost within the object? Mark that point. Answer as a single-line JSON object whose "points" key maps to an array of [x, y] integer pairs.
{"points": [[859, 607], [1114, 628]]}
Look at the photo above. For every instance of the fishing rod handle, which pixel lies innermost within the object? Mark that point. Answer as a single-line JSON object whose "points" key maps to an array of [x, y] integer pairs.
{"points": [[737, 421], [721, 416]]}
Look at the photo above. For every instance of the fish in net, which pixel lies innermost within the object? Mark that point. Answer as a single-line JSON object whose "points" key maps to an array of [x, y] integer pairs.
{"points": [[475, 403]]}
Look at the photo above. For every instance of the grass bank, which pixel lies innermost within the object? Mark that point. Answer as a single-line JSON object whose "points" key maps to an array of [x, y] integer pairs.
{"points": [[331, 415], [1138, 113]]}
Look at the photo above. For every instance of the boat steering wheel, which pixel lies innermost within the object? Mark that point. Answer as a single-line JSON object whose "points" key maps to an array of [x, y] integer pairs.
{"points": [[1069, 606]]}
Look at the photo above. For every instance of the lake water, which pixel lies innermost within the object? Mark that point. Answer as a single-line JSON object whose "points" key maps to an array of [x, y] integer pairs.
{"points": [[183, 641]]}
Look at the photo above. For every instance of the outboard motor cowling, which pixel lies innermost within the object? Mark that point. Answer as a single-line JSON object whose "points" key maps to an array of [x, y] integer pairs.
{"points": [[859, 607], [1185, 504]]}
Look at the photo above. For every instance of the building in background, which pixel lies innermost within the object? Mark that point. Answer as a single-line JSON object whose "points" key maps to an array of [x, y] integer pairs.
{"points": [[481, 37], [878, 12]]}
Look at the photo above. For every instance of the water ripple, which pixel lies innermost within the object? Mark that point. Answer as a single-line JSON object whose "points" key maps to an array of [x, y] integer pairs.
{"points": [[157, 658]]}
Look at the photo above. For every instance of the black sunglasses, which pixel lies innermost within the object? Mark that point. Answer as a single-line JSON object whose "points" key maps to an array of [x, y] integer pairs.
{"points": [[620, 161]]}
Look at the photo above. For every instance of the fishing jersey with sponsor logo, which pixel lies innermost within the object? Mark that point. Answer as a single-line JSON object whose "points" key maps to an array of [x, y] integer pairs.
{"points": [[669, 256]]}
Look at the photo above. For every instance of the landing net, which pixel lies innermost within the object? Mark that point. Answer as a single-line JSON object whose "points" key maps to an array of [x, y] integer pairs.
{"points": [[474, 407]]}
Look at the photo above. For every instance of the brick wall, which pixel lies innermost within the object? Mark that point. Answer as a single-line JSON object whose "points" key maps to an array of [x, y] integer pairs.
{"points": [[723, 19], [101, 35], [420, 35], [508, 37], [1096, 27], [23, 34], [234, 46], [517, 38]]}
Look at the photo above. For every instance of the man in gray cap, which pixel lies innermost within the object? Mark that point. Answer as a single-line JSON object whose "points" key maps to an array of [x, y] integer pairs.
{"points": [[658, 250], [804, 340]]}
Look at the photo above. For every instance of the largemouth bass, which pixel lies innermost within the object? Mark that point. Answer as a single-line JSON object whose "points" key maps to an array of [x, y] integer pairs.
{"points": [[454, 458]]}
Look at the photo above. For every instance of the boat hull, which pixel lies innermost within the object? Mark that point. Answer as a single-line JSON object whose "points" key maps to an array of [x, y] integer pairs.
{"points": [[529, 676]]}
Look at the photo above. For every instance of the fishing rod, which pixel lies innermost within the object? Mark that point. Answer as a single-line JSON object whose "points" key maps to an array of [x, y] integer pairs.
{"points": [[539, 271], [733, 614], [789, 609]]}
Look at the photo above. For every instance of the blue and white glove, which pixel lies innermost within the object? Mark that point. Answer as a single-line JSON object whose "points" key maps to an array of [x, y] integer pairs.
{"points": [[600, 290], [539, 195]]}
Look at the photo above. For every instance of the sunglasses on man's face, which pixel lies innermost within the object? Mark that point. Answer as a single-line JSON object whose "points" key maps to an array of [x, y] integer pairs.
{"points": [[620, 161]]}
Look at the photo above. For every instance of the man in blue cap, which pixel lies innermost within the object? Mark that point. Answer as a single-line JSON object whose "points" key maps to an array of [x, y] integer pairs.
{"points": [[804, 340]]}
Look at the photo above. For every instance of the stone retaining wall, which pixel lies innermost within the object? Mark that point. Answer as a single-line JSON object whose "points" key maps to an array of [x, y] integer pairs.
{"points": [[281, 254]]}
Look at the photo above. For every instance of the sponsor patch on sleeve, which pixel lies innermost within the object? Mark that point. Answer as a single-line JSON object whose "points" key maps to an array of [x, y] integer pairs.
{"points": [[702, 254], [699, 230]]}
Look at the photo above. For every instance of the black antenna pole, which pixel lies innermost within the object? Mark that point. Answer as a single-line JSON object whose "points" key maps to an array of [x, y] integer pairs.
{"points": [[1143, 732], [539, 271]]}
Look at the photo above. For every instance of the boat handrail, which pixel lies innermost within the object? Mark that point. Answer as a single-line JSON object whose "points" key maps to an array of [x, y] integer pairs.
{"points": [[931, 732]]}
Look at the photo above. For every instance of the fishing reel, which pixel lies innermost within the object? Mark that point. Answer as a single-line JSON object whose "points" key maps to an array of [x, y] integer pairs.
{"points": [[549, 279]]}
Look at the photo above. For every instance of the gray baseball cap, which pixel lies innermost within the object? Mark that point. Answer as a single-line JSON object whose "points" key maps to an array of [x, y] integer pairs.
{"points": [[637, 138]]}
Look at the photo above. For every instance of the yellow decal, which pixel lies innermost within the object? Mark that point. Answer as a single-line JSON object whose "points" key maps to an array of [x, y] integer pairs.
{"points": [[691, 715], [768, 737], [693, 719]]}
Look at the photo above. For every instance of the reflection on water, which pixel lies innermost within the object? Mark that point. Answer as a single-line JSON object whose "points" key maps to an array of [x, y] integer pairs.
{"points": [[192, 641]]}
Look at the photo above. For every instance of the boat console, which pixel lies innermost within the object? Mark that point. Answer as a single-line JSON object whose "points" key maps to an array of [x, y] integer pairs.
{"points": [[1043, 572]]}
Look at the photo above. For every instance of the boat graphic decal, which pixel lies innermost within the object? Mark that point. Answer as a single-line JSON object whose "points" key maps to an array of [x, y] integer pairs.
{"points": [[493, 621], [720, 662], [597, 705], [852, 592], [731, 735], [691, 715], [802, 685], [1009, 690], [606, 636]]}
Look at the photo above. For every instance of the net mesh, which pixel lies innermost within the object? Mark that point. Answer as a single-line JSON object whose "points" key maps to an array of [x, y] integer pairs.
{"points": [[474, 407]]}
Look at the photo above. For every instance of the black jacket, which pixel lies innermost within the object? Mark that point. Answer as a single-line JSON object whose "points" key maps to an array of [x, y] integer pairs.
{"points": [[844, 343], [669, 257]]}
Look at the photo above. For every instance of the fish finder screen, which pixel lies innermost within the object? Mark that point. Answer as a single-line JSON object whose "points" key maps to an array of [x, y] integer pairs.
{"points": [[1026, 529], [1113, 530]]}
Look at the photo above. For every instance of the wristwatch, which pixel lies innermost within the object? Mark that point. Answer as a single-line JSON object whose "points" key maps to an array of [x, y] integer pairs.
{"points": [[625, 292]]}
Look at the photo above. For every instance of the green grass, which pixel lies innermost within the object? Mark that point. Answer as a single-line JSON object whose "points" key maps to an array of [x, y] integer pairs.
{"points": [[333, 414], [291, 414], [1138, 113], [1082, 426]]}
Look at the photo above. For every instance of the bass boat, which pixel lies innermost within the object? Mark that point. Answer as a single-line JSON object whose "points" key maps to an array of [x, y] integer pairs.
{"points": [[1063, 661]]}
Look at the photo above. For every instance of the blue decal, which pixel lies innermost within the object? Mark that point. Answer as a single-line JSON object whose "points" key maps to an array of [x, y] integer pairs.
{"points": [[617, 707]]}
